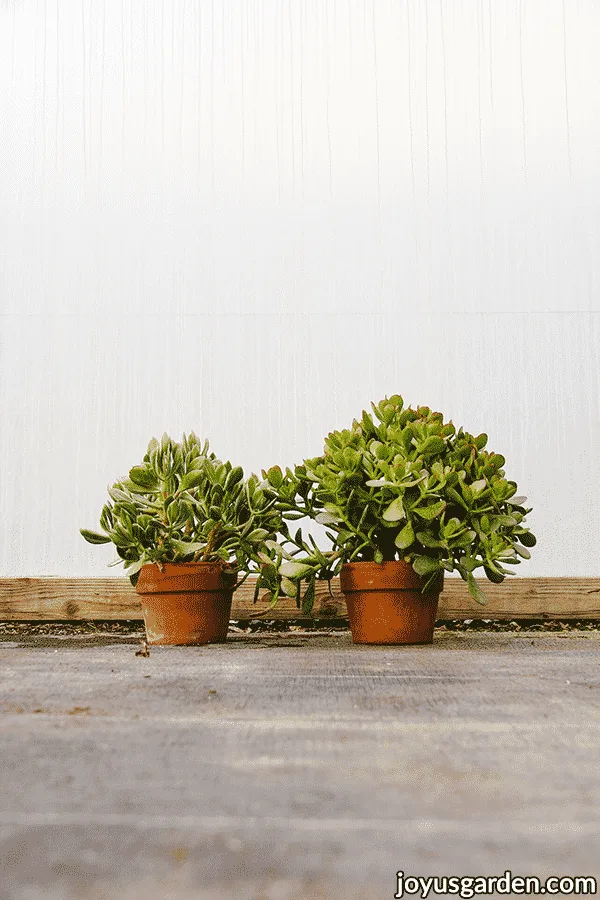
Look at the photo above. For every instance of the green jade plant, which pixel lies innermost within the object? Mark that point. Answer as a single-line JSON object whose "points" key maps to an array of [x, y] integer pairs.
{"points": [[407, 486], [182, 504]]}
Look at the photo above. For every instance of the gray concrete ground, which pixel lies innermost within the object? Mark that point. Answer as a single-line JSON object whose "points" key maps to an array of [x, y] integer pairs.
{"points": [[288, 766]]}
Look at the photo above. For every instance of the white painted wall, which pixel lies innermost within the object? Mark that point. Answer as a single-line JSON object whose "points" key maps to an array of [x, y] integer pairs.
{"points": [[251, 217]]}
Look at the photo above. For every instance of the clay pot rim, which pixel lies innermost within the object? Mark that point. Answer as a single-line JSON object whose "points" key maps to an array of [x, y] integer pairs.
{"points": [[185, 577], [394, 574], [360, 565]]}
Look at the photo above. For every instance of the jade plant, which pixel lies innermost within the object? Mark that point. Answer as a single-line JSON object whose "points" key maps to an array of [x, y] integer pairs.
{"points": [[402, 484], [182, 504]]}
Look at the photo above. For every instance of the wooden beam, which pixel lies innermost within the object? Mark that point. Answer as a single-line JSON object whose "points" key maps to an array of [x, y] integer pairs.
{"points": [[45, 599]]}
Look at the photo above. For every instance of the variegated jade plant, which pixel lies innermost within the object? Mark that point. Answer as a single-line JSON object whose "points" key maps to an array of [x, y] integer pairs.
{"points": [[403, 485], [182, 504]]}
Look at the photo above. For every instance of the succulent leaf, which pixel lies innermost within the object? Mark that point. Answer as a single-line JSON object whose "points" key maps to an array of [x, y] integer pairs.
{"points": [[475, 591], [405, 537], [425, 565], [92, 537], [430, 512], [395, 511]]}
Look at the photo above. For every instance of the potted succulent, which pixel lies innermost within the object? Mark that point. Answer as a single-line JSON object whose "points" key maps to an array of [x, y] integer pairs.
{"points": [[406, 497], [185, 526]]}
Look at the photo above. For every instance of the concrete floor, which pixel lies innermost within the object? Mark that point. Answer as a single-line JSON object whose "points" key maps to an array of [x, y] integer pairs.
{"points": [[295, 766]]}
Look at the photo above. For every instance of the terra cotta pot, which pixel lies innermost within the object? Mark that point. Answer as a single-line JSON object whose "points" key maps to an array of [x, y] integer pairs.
{"points": [[188, 603], [385, 605]]}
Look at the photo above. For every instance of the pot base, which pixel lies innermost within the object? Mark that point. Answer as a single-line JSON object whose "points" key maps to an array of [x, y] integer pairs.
{"points": [[183, 619]]}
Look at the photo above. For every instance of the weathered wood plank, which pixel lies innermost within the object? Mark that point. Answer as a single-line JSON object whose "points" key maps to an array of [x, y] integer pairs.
{"points": [[31, 599]]}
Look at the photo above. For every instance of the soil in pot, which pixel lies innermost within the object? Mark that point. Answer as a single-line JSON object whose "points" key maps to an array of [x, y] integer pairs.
{"points": [[385, 604], [187, 603]]}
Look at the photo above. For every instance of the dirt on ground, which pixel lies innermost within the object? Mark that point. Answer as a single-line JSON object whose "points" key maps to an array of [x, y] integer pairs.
{"points": [[135, 628]]}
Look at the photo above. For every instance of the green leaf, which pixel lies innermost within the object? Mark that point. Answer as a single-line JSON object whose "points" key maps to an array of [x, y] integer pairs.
{"points": [[395, 511], [452, 525], [292, 569], [185, 548], [309, 598], [454, 495], [438, 470], [380, 450], [191, 479], [325, 518], [433, 444], [169, 485], [143, 477], [522, 551], [173, 512], [505, 520], [279, 550], [351, 458], [428, 540], [475, 591], [233, 478], [528, 539], [425, 565], [152, 445], [481, 441], [496, 460], [258, 535], [466, 491], [463, 540], [517, 501], [378, 556], [367, 424], [468, 563], [478, 487], [92, 537], [275, 477], [494, 576], [288, 587], [430, 512], [406, 484], [268, 575], [118, 495], [106, 518], [405, 537]]}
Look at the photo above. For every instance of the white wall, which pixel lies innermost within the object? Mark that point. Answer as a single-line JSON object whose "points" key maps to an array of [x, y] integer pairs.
{"points": [[251, 217]]}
